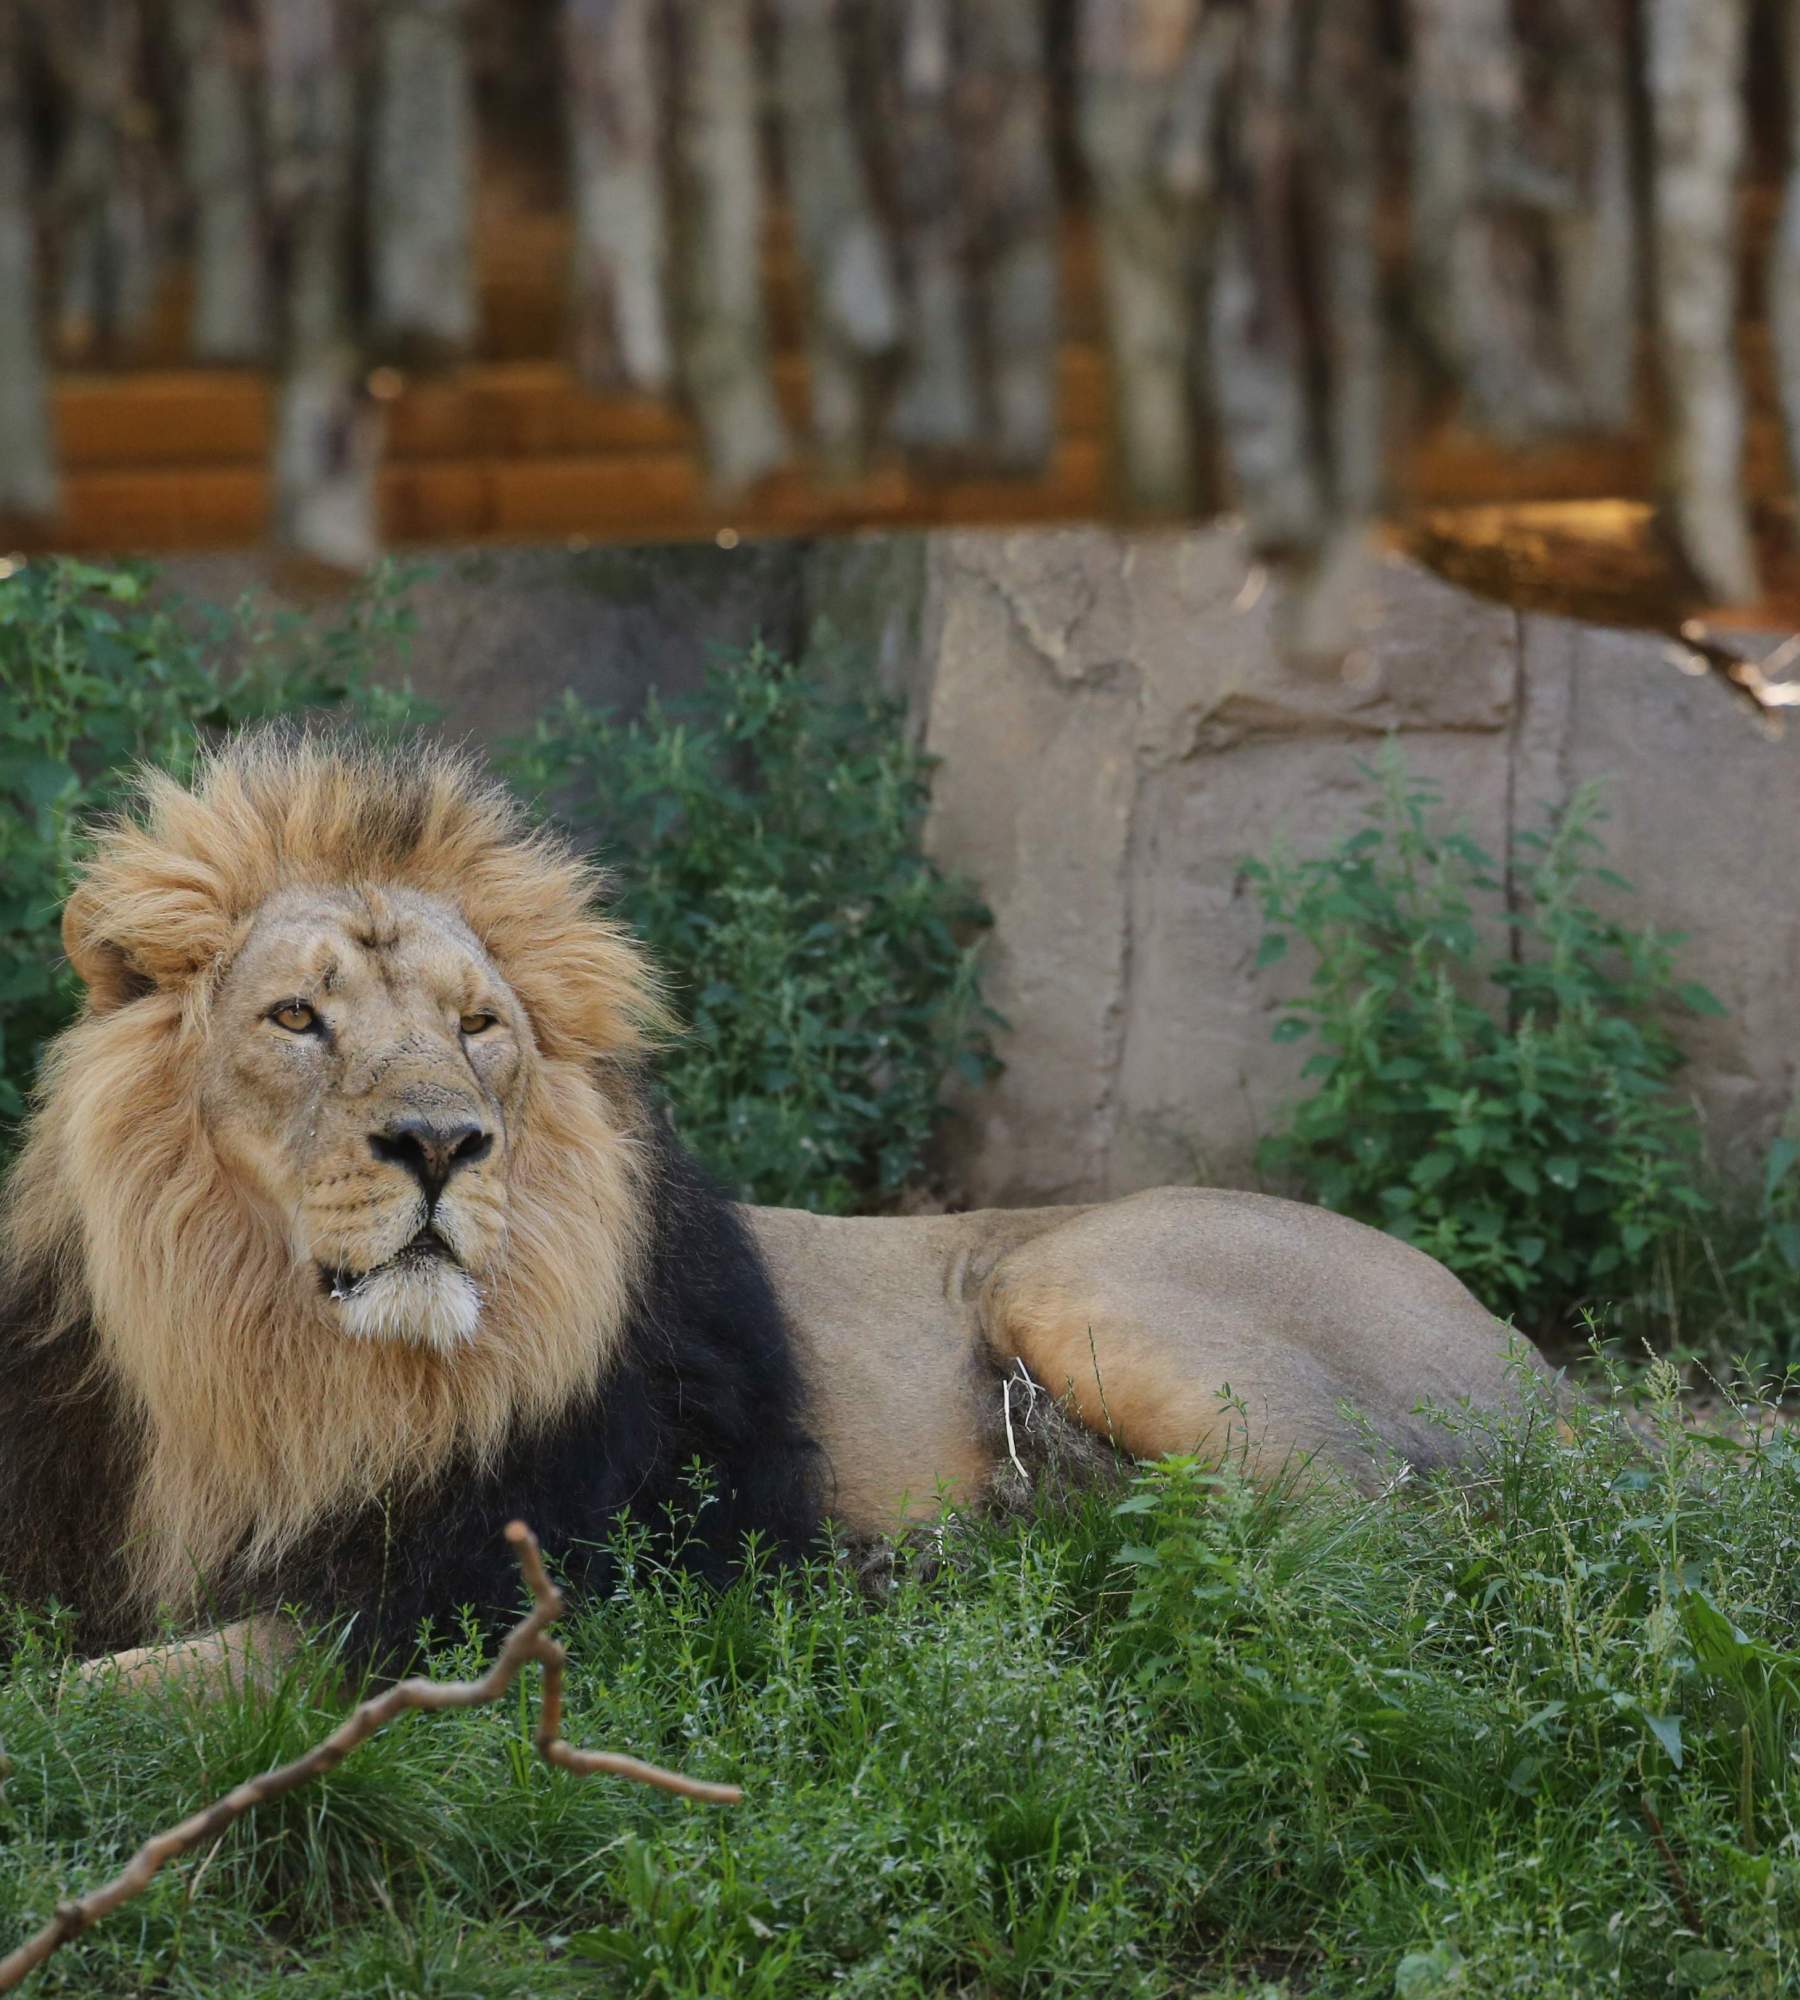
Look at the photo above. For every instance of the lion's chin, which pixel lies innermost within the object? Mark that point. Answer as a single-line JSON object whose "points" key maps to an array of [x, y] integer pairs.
{"points": [[425, 1301]]}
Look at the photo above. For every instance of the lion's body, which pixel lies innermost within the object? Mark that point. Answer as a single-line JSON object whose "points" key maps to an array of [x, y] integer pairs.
{"points": [[344, 1231], [1175, 1319]]}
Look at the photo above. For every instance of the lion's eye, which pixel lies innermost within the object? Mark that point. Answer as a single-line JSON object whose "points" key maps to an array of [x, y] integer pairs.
{"points": [[475, 1024], [295, 1016]]}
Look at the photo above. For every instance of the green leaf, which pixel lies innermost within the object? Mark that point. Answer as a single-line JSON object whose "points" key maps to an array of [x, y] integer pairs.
{"points": [[1699, 999], [1430, 1975], [1289, 1028], [1272, 949], [1667, 1731], [1562, 1171]]}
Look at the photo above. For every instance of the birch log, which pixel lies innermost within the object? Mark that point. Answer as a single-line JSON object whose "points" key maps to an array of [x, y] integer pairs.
{"points": [[1784, 253], [1146, 107], [1259, 340], [1004, 123], [27, 462], [722, 327], [107, 173], [1343, 90], [1480, 201], [421, 183], [614, 94], [937, 408], [1695, 52], [222, 173], [853, 306], [1595, 233], [327, 430]]}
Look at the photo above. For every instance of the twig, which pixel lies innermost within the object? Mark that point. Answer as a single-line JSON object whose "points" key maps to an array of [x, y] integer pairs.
{"points": [[1677, 1878], [1021, 1380], [529, 1640]]}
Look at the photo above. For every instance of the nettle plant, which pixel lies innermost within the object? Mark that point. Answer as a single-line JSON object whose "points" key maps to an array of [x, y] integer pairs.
{"points": [[765, 836], [98, 675], [1492, 1066]]}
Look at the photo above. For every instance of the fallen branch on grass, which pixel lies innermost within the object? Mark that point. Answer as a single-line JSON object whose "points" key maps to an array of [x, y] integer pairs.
{"points": [[529, 1640]]}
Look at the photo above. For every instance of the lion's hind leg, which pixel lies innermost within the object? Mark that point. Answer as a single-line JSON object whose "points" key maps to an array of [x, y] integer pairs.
{"points": [[1190, 1319]]}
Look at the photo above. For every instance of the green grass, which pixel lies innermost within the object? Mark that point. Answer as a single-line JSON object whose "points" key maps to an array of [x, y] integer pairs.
{"points": [[1210, 1741]]}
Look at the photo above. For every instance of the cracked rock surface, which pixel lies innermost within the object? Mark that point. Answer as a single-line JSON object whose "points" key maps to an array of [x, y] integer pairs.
{"points": [[1118, 730]]}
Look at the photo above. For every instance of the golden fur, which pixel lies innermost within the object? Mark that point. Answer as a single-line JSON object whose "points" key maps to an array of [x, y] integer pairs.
{"points": [[257, 1416]]}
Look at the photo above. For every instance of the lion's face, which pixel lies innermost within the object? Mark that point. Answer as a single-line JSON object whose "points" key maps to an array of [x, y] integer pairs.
{"points": [[364, 1067], [345, 1164]]}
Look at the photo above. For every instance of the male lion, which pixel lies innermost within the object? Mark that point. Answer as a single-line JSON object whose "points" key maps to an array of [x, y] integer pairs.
{"points": [[344, 1230]]}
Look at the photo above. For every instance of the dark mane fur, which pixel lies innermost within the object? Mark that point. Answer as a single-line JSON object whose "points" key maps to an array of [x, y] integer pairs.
{"points": [[707, 1372]]}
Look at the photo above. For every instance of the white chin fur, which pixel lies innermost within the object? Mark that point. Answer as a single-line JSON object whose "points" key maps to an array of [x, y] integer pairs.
{"points": [[431, 1304]]}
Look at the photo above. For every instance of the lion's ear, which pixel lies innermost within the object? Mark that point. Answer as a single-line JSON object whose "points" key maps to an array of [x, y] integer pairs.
{"points": [[103, 962]]}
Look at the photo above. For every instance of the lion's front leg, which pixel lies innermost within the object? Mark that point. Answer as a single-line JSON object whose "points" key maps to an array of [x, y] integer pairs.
{"points": [[250, 1653]]}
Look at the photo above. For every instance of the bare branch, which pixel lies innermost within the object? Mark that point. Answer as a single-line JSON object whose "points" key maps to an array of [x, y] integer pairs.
{"points": [[528, 1641]]}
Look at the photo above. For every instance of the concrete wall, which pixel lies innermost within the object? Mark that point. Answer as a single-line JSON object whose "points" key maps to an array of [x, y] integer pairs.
{"points": [[1117, 733]]}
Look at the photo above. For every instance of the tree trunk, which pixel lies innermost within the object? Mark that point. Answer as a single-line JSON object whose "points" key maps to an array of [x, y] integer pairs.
{"points": [[1783, 282], [1596, 233], [1342, 92], [1481, 200], [1258, 329], [27, 464], [1696, 62], [723, 333], [937, 409], [107, 175], [217, 40], [422, 175], [853, 307], [1010, 198], [615, 93], [327, 430], [1150, 74]]}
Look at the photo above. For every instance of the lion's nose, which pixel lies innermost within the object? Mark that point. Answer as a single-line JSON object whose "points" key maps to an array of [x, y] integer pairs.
{"points": [[431, 1152]]}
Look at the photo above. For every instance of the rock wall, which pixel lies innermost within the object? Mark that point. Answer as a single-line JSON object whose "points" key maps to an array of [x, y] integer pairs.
{"points": [[1118, 732]]}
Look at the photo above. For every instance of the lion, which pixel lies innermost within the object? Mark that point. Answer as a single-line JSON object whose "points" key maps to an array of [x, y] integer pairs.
{"points": [[346, 1228]]}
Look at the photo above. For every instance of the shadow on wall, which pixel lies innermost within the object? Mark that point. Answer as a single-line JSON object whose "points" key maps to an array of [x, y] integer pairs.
{"points": [[502, 632]]}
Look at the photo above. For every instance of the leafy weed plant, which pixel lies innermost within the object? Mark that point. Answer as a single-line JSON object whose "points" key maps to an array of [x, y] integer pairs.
{"points": [[765, 836], [1492, 1074]]}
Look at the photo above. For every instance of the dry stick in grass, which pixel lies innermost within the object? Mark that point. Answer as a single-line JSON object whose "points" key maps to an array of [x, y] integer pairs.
{"points": [[529, 1640]]}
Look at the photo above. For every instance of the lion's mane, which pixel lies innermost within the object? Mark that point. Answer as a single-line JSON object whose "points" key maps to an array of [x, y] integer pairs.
{"points": [[172, 1432]]}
